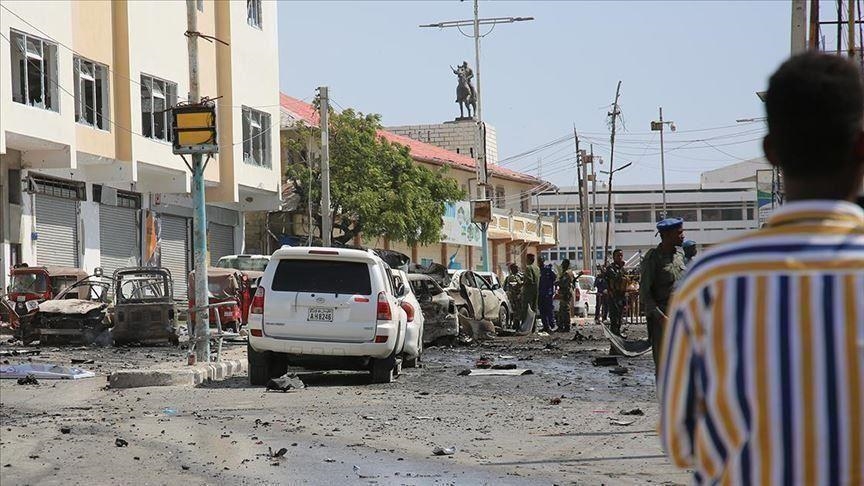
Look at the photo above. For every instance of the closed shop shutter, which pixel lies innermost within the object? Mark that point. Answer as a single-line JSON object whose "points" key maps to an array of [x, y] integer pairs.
{"points": [[57, 227], [221, 241], [119, 238], [175, 252]]}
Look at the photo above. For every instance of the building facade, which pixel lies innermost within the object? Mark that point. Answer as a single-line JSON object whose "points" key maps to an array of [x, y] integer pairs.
{"points": [[721, 206], [87, 173], [460, 136]]}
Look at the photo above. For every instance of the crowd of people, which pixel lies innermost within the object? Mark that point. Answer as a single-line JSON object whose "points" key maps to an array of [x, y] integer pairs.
{"points": [[540, 290]]}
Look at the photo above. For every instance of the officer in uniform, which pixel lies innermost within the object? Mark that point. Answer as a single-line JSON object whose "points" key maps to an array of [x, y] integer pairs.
{"points": [[530, 286], [661, 269], [689, 247], [565, 295], [513, 287], [616, 284]]}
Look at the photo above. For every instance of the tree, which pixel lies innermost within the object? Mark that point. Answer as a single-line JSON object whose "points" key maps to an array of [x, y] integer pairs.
{"points": [[375, 186]]}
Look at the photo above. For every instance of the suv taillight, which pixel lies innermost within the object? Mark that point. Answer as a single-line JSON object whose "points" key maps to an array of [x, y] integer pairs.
{"points": [[409, 310], [384, 313], [257, 306]]}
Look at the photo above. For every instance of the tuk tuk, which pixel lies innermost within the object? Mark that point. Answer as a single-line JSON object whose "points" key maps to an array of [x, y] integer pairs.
{"points": [[32, 285], [143, 306], [224, 285]]}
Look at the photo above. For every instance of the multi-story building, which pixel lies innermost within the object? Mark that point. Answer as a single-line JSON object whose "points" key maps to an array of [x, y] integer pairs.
{"points": [[721, 206], [514, 232], [86, 164]]}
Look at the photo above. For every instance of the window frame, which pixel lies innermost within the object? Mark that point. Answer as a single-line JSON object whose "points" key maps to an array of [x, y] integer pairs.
{"points": [[255, 14], [98, 75], [47, 59], [262, 139], [169, 97]]}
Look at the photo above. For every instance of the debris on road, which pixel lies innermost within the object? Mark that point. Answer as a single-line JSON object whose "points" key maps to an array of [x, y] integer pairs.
{"points": [[275, 455], [483, 362], [496, 372], [120, 442], [555, 401], [510, 366], [622, 423], [286, 382], [21, 352], [44, 372], [635, 411], [619, 370], [65, 430], [605, 361], [81, 361], [444, 451], [28, 380]]}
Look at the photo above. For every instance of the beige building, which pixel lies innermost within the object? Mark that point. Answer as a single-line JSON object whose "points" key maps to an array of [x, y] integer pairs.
{"points": [[85, 133], [515, 230]]}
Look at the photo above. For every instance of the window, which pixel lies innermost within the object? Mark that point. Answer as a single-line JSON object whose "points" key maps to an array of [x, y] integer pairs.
{"points": [[323, 276], [500, 197], [253, 13], [91, 93], [525, 202], [256, 137], [15, 186], [687, 214], [157, 98], [723, 214], [34, 72], [571, 216], [642, 216]]}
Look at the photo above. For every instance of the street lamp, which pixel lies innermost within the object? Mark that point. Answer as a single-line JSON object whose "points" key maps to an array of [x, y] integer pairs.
{"points": [[655, 127]]}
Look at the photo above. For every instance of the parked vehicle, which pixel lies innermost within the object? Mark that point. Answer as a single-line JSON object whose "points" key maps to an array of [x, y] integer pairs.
{"points": [[78, 314], [30, 286], [255, 263], [336, 306], [224, 285], [439, 309], [478, 299], [415, 319], [584, 296], [143, 306]]}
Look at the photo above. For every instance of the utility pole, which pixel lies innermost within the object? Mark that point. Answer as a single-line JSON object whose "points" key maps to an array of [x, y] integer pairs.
{"points": [[799, 28], [614, 114], [851, 33], [583, 196], [199, 215], [593, 211], [326, 223], [813, 42], [655, 126], [482, 173]]}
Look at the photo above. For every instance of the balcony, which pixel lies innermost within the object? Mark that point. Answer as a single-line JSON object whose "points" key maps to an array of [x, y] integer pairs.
{"points": [[514, 226]]}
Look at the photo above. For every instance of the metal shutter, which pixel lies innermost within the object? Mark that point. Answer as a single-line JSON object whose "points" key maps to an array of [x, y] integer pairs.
{"points": [[175, 252], [57, 227], [119, 238], [221, 241]]}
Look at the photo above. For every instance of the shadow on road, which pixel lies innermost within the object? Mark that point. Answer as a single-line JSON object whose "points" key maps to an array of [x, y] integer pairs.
{"points": [[312, 379], [580, 459], [600, 434]]}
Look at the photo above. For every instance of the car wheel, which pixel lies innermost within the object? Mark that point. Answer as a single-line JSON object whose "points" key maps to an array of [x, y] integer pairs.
{"points": [[259, 366], [383, 370], [503, 316]]}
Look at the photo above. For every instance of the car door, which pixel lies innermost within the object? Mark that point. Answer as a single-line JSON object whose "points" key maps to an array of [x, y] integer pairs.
{"points": [[491, 302], [471, 293]]}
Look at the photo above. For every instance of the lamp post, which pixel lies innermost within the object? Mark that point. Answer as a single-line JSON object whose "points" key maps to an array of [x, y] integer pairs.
{"points": [[658, 126], [609, 214]]}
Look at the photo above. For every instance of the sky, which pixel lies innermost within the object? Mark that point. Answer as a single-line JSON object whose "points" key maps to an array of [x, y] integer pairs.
{"points": [[703, 62]]}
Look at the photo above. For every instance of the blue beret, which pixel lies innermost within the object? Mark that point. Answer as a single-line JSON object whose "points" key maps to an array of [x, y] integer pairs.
{"points": [[670, 224], [688, 243]]}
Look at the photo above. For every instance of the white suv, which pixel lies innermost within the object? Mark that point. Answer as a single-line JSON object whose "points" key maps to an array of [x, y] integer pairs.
{"points": [[334, 305]]}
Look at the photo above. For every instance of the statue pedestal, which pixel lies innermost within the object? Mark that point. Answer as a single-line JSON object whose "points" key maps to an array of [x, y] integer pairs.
{"points": [[463, 119]]}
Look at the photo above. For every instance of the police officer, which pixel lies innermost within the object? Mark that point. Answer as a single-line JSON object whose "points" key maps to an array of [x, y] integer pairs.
{"points": [[616, 284], [530, 286], [546, 296], [565, 295], [513, 287], [689, 247], [661, 268]]}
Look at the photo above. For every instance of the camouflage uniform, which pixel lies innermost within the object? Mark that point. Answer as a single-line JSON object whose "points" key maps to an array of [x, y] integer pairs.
{"points": [[565, 294], [616, 282], [660, 272], [513, 287], [530, 289]]}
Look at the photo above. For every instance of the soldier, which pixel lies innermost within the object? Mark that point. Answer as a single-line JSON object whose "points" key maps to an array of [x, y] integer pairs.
{"points": [[513, 287], [565, 295], [530, 286], [616, 284], [689, 247], [661, 268], [546, 296]]}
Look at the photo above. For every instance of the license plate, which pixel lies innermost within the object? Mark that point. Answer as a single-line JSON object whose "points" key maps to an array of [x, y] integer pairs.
{"points": [[31, 305], [322, 314]]}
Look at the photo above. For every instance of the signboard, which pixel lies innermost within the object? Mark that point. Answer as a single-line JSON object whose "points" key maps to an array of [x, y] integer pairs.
{"points": [[481, 211], [764, 194], [458, 228]]}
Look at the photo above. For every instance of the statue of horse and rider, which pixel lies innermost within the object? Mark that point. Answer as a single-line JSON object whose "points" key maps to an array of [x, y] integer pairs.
{"points": [[466, 96]]}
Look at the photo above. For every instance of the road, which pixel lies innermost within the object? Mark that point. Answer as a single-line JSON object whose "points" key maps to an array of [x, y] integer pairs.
{"points": [[341, 429]]}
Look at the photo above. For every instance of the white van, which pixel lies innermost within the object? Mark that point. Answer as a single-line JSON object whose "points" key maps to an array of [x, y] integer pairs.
{"points": [[335, 305]]}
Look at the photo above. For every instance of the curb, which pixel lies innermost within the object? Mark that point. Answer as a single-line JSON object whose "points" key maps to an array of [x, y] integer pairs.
{"points": [[176, 377]]}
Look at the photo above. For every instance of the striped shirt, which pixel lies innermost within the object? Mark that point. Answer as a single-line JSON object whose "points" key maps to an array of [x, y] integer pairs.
{"points": [[762, 376]]}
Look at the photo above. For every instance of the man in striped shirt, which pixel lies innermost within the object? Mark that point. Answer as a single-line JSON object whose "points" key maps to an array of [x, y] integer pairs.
{"points": [[762, 375]]}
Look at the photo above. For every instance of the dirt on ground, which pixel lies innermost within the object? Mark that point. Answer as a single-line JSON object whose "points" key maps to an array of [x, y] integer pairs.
{"points": [[561, 424]]}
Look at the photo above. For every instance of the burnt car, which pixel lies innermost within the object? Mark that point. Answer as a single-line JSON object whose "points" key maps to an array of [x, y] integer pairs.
{"points": [[225, 285], [439, 309], [30, 286], [143, 306], [78, 314], [479, 299]]}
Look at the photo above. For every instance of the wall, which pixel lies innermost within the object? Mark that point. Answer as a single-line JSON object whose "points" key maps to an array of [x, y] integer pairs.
{"points": [[456, 136]]}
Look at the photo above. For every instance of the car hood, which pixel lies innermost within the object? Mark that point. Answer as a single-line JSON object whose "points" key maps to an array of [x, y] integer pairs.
{"points": [[70, 306]]}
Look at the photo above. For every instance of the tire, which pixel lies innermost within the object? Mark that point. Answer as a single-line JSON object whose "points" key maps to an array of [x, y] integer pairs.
{"points": [[383, 370], [259, 366], [503, 317], [412, 363]]}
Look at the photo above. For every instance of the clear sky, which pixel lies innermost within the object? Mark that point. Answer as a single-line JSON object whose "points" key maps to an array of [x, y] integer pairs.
{"points": [[702, 61]]}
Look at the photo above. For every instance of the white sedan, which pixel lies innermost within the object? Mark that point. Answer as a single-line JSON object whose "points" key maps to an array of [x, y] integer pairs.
{"points": [[414, 329]]}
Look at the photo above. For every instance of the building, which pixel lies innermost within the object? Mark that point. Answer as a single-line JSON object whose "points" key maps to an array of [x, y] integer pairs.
{"points": [[460, 136], [515, 230], [86, 164], [721, 206]]}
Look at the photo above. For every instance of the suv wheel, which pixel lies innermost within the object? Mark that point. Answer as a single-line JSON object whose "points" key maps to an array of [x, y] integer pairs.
{"points": [[259, 366], [383, 370]]}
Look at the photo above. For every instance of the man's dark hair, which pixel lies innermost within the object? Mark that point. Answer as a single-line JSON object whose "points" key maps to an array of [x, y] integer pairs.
{"points": [[815, 108], [530, 258], [618, 250], [514, 268]]}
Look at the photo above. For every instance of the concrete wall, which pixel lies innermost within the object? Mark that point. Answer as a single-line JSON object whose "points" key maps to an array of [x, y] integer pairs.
{"points": [[456, 136]]}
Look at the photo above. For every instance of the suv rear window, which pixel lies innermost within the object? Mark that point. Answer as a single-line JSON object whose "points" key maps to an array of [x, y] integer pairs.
{"points": [[322, 276]]}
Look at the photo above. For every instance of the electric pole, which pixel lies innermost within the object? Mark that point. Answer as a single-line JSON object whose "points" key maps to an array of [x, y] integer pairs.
{"points": [[199, 219], [655, 126], [482, 172], [326, 223], [593, 211], [614, 114], [580, 163]]}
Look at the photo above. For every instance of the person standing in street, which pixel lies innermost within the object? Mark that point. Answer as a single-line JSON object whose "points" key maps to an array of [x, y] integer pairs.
{"points": [[513, 288], [762, 376], [546, 297], [530, 286], [601, 307], [616, 281], [565, 295], [661, 268], [689, 248]]}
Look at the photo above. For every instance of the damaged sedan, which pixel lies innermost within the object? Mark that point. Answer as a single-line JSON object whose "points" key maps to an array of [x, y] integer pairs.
{"points": [[439, 309]]}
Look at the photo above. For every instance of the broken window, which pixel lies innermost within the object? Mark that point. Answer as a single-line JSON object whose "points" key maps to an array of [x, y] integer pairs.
{"points": [[157, 98], [256, 137], [34, 71], [500, 199], [253, 13], [91, 93]]}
